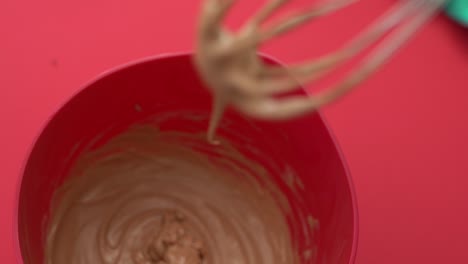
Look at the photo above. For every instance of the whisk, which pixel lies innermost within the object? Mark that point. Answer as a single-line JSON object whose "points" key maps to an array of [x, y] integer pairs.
{"points": [[229, 64]]}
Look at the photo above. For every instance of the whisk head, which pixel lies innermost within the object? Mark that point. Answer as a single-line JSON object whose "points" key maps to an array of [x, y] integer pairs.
{"points": [[229, 64]]}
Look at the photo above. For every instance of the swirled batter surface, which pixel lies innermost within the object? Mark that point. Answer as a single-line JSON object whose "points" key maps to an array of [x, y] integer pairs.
{"points": [[145, 197]]}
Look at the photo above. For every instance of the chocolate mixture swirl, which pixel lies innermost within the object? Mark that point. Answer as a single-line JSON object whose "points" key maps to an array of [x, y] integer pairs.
{"points": [[146, 198]]}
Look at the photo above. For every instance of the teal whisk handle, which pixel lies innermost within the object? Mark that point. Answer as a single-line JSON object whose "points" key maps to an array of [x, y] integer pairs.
{"points": [[458, 10]]}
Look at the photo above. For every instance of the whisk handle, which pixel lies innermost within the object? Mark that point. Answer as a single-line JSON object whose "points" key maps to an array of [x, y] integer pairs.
{"points": [[458, 10]]}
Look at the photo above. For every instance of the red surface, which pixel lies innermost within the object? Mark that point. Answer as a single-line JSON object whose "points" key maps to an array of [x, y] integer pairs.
{"points": [[404, 132], [327, 192]]}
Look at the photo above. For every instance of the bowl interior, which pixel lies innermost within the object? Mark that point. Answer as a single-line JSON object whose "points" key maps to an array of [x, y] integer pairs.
{"points": [[158, 87]]}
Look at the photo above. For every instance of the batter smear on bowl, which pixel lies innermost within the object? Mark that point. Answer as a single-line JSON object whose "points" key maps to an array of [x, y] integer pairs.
{"points": [[165, 197]]}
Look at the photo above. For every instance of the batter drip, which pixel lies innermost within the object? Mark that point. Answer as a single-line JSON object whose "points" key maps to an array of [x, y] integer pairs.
{"points": [[156, 197]]}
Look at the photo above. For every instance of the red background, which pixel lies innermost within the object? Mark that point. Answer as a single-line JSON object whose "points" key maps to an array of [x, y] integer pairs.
{"points": [[404, 132]]}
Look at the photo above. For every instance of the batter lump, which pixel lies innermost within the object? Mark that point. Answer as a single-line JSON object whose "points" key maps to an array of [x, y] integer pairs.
{"points": [[150, 197]]}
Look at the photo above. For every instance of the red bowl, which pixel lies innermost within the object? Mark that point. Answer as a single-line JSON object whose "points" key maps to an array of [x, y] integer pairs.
{"points": [[136, 91]]}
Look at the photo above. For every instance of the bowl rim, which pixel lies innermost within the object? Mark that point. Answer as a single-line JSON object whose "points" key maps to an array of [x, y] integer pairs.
{"points": [[132, 63]]}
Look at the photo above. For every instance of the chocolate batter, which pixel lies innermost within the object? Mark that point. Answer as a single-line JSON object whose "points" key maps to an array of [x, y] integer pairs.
{"points": [[163, 197]]}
